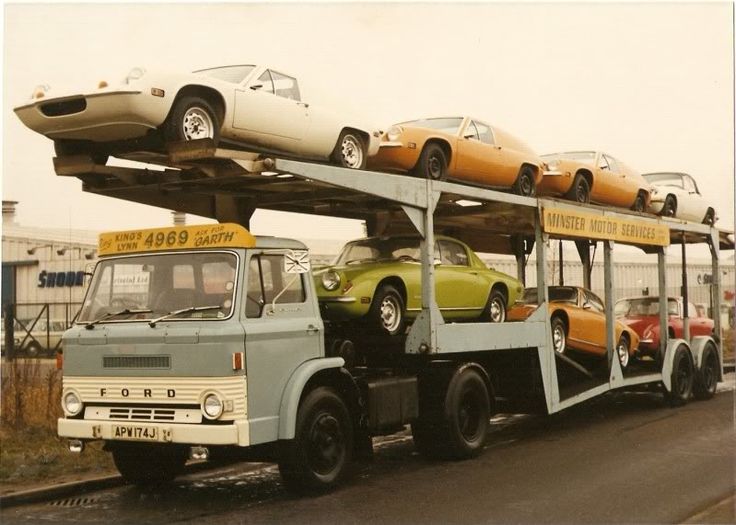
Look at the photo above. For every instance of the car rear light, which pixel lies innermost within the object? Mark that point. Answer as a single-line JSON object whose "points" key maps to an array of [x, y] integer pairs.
{"points": [[238, 359], [59, 361], [102, 84]]}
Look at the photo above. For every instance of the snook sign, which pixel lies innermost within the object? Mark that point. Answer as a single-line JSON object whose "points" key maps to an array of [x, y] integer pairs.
{"points": [[571, 223]]}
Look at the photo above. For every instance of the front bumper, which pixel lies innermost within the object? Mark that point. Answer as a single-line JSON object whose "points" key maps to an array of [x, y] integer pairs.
{"points": [[233, 434], [106, 116]]}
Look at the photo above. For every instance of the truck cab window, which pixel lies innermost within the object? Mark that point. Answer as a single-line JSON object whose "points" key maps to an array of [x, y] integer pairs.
{"points": [[267, 281]]}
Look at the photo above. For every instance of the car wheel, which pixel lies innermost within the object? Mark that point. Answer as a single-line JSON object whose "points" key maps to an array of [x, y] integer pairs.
{"points": [[706, 379], [66, 148], [387, 313], [669, 208], [559, 335], [639, 203], [350, 151], [580, 190], [495, 310], [192, 118], [432, 163], [709, 217], [525, 184], [682, 377], [33, 349], [622, 350], [319, 456]]}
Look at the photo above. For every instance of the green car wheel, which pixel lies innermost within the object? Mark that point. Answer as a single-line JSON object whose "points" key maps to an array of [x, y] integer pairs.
{"points": [[388, 314]]}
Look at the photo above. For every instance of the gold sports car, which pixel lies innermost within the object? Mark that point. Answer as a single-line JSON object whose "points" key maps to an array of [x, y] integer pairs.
{"points": [[578, 320], [460, 148], [594, 176]]}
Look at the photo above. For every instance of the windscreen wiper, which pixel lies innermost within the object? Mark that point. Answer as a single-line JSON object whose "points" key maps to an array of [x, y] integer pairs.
{"points": [[108, 315], [152, 322]]}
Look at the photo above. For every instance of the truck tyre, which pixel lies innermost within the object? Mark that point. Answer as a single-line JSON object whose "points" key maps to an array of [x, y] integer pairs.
{"points": [[456, 427], [706, 379], [387, 314], [192, 118], [149, 465], [682, 377], [66, 148], [495, 310], [350, 151], [432, 163], [319, 456], [525, 184], [580, 190]]}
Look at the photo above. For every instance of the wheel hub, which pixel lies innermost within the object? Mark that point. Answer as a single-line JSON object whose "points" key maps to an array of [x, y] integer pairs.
{"points": [[352, 154], [197, 124], [390, 316]]}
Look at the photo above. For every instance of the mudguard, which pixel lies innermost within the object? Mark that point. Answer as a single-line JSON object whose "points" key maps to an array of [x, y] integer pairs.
{"points": [[293, 391]]}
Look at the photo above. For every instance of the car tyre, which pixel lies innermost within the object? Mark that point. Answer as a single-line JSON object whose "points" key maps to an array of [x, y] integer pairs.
{"points": [[432, 163], [669, 208], [148, 465], [622, 351], [580, 190], [706, 378], [525, 184], [387, 314], [192, 118], [350, 151], [495, 310], [682, 378], [559, 335], [319, 456], [67, 148], [639, 203]]}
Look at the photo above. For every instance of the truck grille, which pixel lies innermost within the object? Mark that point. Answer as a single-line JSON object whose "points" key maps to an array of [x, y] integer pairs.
{"points": [[155, 414], [136, 361]]}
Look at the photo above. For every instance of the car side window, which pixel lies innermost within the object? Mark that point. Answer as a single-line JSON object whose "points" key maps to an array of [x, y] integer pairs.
{"points": [[594, 301], [285, 86], [689, 184], [612, 164], [267, 82], [484, 132], [453, 253], [471, 132], [603, 163]]}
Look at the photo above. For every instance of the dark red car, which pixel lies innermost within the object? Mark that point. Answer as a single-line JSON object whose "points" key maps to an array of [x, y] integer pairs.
{"points": [[642, 315]]}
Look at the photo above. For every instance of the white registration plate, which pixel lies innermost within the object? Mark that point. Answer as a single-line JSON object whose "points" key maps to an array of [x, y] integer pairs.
{"points": [[135, 433]]}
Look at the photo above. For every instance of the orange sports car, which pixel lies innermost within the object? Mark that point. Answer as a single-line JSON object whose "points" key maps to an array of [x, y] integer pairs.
{"points": [[460, 148], [578, 321], [593, 176]]}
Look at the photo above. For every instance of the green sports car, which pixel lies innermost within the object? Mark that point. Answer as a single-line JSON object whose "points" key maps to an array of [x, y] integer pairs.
{"points": [[378, 279]]}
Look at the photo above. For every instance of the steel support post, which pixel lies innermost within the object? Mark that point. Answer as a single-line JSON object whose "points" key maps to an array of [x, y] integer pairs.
{"points": [[609, 299], [715, 286], [663, 331], [685, 294], [540, 243], [517, 245], [584, 252]]}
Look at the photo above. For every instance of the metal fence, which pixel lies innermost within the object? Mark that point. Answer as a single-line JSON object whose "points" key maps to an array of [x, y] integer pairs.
{"points": [[35, 329]]}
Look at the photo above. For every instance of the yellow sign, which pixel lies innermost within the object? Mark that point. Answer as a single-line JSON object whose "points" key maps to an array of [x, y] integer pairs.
{"points": [[590, 226], [176, 238]]}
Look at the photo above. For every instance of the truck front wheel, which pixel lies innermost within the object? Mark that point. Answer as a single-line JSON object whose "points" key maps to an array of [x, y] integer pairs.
{"points": [[319, 456], [146, 465]]}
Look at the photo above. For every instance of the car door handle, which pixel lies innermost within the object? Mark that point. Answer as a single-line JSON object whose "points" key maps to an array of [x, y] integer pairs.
{"points": [[311, 329]]}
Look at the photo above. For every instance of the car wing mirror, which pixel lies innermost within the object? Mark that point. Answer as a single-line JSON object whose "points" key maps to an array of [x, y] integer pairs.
{"points": [[587, 306], [469, 136], [437, 262], [256, 87]]}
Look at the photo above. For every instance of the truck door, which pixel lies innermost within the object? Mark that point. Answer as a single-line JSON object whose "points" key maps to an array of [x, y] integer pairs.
{"points": [[282, 330]]}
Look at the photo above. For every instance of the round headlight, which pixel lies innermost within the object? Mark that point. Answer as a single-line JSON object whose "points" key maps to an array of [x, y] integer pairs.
{"points": [[393, 132], [330, 280], [71, 404], [212, 406], [135, 74]]}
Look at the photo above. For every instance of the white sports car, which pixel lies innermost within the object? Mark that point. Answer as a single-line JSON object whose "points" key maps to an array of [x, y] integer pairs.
{"points": [[245, 106], [677, 195]]}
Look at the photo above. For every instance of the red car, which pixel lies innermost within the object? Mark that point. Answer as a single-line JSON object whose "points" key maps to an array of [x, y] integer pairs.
{"points": [[642, 315]]}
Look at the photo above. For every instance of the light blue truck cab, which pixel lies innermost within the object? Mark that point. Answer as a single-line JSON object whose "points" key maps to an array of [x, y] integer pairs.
{"points": [[206, 337]]}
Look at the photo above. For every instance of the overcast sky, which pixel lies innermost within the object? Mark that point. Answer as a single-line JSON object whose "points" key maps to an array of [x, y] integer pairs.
{"points": [[651, 84]]}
